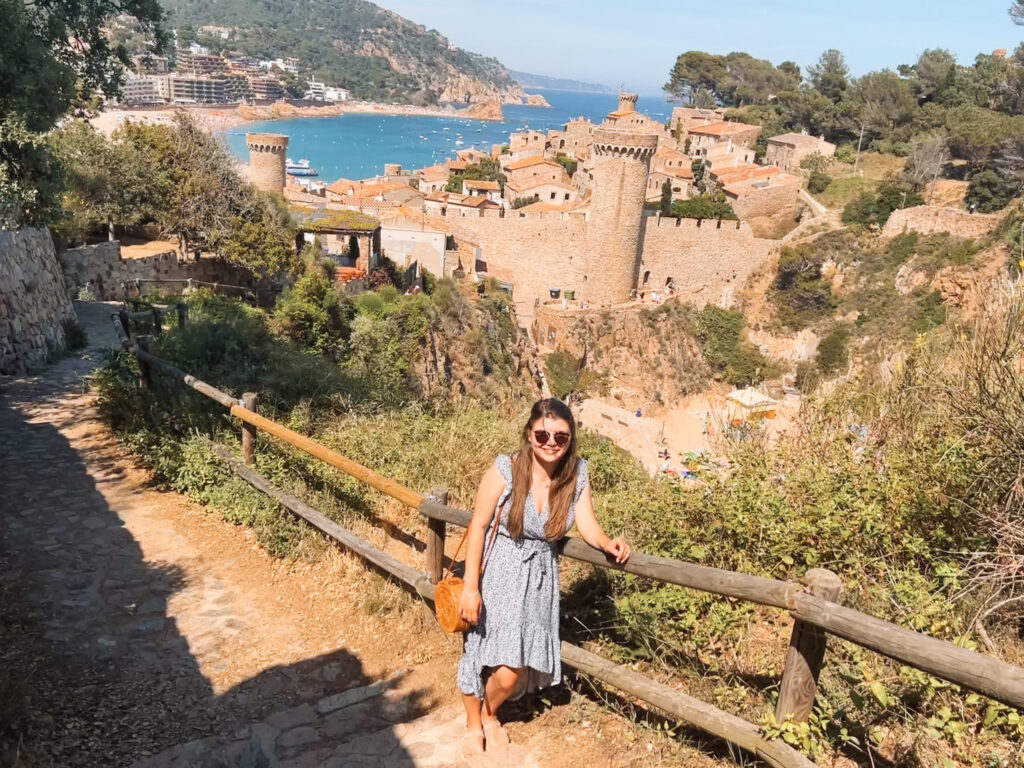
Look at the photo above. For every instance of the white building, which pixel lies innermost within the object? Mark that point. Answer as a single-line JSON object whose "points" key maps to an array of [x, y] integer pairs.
{"points": [[146, 89], [317, 91]]}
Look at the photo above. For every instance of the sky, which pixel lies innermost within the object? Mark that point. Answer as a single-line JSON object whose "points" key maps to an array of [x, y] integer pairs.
{"points": [[635, 43]]}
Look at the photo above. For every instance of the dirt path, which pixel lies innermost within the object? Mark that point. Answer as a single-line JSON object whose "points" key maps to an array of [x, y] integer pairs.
{"points": [[133, 621]]}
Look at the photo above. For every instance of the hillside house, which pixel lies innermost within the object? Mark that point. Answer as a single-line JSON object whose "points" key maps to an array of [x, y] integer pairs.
{"points": [[480, 188], [788, 150]]}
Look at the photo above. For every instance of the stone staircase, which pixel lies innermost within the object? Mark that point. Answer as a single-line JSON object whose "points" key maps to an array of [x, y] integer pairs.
{"points": [[369, 727]]}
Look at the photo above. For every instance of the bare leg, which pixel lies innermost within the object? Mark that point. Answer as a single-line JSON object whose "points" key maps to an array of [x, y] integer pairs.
{"points": [[473, 741], [500, 686]]}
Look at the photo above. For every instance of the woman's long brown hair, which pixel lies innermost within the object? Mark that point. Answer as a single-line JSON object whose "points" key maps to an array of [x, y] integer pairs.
{"points": [[563, 482]]}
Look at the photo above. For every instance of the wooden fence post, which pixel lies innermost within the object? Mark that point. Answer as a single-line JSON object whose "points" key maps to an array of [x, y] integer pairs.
{"points": [[158, 322], [249, 431], [806, 654], [435, 536], [145, 377], [182, 314], [126, 322]]}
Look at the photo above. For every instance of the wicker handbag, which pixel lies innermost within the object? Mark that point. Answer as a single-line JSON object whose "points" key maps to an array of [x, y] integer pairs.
{"points": [[448, 591]]}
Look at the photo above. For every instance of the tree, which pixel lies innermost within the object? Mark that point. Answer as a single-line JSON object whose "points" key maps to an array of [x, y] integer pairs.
{"points": [[885, 102], [665, 206], [928, 156], [987, 192], [935, 74], [702, 207], [829, 76], [52, 54], [1017, 11], [696, 78]]}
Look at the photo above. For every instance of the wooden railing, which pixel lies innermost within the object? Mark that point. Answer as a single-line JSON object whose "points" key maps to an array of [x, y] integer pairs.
{"points": [[811, 601]]}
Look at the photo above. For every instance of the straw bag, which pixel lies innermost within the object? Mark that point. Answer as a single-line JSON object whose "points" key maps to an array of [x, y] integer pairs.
{"points": [[448, 591]]}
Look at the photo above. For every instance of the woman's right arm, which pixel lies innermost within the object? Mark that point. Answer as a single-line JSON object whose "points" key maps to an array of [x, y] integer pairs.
{"points": [[492, 484]]}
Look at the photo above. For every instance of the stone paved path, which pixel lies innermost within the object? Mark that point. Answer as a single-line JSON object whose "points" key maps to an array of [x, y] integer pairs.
{"points": [[133, 636]]}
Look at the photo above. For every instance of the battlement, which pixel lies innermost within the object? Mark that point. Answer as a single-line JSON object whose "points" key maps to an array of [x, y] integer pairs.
{"points": [[670, 222], [266, 142], [619, 143]]}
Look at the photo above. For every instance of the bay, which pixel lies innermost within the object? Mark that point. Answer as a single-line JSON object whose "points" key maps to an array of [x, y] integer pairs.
{"points": [[356, 146]]}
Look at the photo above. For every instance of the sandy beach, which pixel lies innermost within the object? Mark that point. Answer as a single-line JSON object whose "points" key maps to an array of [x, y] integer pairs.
{"points": [[219, 118]]}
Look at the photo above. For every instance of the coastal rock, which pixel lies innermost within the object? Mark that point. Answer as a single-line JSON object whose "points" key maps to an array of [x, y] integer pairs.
{"points": [[488, 110], [537, 100]]}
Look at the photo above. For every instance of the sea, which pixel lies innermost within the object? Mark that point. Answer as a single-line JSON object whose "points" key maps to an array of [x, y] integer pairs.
{"points": [[356, 146]]}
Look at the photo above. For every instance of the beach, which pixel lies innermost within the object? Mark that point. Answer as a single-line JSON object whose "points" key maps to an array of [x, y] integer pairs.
{"points": [[216, 119]]}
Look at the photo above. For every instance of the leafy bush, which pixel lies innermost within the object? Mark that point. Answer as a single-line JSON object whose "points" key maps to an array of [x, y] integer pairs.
{"points": [[988, 192], [834, 351], [75, 337], [874, 208], [846, 153], [702, 207], [800, 295], [731, 358], [522, 202], [818, 182], [311, 314], [562, 371]]}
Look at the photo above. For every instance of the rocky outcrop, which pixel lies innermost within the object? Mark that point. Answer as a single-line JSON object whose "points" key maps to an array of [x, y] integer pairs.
{"points": [[488, 110], [536, 100], [34, 304]]}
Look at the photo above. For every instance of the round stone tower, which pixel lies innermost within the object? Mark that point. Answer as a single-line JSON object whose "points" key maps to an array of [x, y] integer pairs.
{"points": [[627, 102], [267, 152], [622, 159]]}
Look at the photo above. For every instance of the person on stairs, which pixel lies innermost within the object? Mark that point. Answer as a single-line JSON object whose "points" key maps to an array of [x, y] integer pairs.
{"points": [[511, 592]]}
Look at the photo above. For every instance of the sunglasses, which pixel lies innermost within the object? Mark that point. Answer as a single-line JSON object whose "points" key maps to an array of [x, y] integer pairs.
{"points": [[542, 436]]}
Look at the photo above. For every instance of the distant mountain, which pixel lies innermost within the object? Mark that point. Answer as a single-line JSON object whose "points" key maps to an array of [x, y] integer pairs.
{"points": [[557, 83], [373, 52]]}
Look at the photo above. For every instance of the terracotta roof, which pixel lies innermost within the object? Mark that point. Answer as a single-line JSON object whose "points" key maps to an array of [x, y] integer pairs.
{"points": [[722, 128], [436, 223], [529, 162], [342, 186], [433, 173], [744, 172], [457, 165], [534, 183], [374, 188], [481, 184], [754, 185], [472, 201]]}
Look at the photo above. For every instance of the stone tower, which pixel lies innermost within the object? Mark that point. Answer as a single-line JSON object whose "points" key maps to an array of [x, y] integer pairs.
{"points": [[622, 159], [267, 153]]}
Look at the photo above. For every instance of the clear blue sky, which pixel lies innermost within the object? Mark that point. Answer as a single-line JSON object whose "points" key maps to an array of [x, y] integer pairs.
{"points": [[637, 42]]}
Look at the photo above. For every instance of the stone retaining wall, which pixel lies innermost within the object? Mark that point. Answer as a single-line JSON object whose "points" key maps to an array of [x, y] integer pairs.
{"points": [[930, 219], [101, 268], [33, 301]]}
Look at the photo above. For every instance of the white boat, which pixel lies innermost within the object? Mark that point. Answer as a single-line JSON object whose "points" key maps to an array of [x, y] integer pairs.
{"points": [[299, 168]]}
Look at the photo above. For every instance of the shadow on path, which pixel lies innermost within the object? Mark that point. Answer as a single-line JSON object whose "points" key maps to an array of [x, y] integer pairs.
{"points": [[93, 670]]}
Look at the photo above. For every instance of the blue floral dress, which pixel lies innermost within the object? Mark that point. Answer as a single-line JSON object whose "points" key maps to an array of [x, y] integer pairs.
{"points": [[520, 591]]}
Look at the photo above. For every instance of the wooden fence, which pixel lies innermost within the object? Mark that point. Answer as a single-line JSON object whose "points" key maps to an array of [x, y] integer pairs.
{"points": [[812, 601]]}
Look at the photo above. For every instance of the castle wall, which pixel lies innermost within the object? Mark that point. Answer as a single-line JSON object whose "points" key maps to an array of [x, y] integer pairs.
{"points": [[532, 253], [930, 219], [767, 201], [707, 263], [33, 301], [267, 155]]}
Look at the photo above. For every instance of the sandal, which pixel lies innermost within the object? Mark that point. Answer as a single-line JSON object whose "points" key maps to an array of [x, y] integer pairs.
{"points": [[472, 744], [496, 735]]}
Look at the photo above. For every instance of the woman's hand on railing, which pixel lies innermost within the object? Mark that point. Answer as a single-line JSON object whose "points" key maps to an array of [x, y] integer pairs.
{"points": [[618, 548], [469, 606]]}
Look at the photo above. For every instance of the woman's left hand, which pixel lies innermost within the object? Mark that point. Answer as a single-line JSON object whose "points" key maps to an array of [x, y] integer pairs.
{"points": [[618, 549]]}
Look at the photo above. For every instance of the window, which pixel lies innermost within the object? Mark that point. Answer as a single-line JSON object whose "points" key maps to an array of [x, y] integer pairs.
{"points": [[553, 195], [566, 195]]}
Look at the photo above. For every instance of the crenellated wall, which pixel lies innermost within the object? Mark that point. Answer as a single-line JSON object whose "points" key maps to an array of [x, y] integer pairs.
{"points": [[34, 303], [708, 261]]}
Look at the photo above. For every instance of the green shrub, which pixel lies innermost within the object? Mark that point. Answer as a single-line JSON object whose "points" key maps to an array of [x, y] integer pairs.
{"points": [[702, 207], [834, 351], [846, 153], [731, 358], [311, 314], [800, 295], [932, 312], [818, 182], [75, 337]]}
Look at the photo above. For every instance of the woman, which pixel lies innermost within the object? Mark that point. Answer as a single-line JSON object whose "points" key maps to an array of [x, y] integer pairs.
{"points": [[533, 497]]}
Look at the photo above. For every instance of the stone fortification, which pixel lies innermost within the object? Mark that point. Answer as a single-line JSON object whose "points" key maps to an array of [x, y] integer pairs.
{"points": [[102, 270], [621, 161], [929, 219], [267, 155], [33, 301], [533, 253], [707, 261]]}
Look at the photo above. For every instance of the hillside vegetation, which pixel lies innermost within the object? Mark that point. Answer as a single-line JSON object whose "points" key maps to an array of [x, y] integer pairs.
{"points": [[375, 53]]}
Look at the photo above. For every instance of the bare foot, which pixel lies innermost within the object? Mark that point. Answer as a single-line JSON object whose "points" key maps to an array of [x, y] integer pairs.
{"points": [[497, 737], [472, 744]]}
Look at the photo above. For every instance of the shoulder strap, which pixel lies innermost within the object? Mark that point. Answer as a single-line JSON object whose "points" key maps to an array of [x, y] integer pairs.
{"points": [[490, 544]]}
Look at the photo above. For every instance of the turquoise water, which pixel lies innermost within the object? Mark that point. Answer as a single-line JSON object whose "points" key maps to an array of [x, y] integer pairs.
{"points": [[357, 146]]}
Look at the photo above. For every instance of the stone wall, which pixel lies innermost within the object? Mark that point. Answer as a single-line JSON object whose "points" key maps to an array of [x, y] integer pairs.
{"points": [[533, 253], [102, 269], [768, 201], [33, 301], [708, 263], [929, 219]]}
